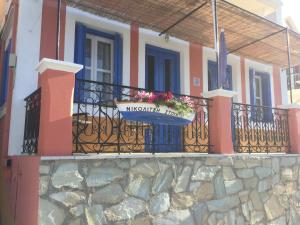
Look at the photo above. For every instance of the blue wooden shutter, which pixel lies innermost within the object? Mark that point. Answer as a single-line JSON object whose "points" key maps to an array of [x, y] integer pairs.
{"points": [[79, 57], [229, 77], [266, 95], [118, 50], [213, 76], [5, 74], [252, 93], [252, 86]]}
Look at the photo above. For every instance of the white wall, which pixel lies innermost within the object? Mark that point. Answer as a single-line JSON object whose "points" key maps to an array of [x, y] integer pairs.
{"points": [[28, 51]]}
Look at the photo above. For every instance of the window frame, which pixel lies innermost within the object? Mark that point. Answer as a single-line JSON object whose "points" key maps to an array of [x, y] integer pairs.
{"points": [[256, 77], [81, 31], [94, 50]]}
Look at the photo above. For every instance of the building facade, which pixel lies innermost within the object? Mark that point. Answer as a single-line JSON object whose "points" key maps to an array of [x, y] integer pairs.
{"points": [[72, 60]]}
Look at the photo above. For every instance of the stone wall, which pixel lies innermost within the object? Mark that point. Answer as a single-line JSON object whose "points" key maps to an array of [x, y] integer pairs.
{"points": [[225, 190]]}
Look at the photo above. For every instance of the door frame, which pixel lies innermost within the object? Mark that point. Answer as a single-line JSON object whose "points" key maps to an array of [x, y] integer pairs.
{"points": [[176, 55]]}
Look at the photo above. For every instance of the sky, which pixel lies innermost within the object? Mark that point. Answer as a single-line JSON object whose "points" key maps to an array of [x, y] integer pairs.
{"points": [[291, 8]]}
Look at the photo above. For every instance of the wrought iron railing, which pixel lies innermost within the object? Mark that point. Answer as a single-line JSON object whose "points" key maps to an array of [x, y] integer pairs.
{"points": [[32, 122], [98, 126], [259, 129]]}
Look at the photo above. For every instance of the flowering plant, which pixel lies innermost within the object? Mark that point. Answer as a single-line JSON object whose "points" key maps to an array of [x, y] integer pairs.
{"points": [[182, 105]]}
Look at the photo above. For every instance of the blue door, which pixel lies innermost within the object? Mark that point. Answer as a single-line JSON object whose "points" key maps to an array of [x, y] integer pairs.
{"points": [[162, 74]]}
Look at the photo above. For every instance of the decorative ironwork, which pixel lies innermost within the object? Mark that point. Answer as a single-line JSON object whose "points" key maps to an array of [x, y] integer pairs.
{"points": [[98, 126], [259, 129], [32, 122]]}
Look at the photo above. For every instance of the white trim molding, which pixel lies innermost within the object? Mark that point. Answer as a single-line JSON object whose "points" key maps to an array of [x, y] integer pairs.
{"points": [[52, 64], [220, 93]]}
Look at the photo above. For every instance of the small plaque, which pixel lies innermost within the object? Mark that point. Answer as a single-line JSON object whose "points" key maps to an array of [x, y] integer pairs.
{"points": [[196, 81]]}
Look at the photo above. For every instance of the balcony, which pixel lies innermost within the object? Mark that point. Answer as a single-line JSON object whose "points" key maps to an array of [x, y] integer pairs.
{"points": [[98, 126]]}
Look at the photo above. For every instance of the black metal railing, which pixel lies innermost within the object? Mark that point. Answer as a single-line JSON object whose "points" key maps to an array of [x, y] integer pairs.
{"points": [[98, 126], [259, 129], [32, 122]]}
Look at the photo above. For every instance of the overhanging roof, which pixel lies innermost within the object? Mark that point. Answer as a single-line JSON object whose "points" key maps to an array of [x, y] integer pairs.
{"points": [[241, 27]]}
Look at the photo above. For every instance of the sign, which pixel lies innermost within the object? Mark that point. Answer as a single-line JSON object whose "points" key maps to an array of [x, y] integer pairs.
{"points": [[151, 113]]}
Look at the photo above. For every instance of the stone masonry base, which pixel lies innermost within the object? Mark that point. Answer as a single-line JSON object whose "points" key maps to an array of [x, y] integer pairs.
{"points": [[206, 190]]}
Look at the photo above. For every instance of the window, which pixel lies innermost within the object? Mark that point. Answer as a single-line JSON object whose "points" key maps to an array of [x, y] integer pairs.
{"points": [[99, 64], [101, 55], [4, 75], [260, 95], [213, 76], [258, 91], [98, 59]]}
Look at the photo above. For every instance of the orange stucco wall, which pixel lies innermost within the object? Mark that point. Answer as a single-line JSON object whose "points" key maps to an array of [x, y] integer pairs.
{"points": [[19, 195], [220, 125], [56, 116], [294, 130], [196, 70], [49, 29], [134, 55]]}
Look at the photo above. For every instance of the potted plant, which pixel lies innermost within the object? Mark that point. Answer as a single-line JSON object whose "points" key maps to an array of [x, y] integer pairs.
{"points": [[161, 108]]}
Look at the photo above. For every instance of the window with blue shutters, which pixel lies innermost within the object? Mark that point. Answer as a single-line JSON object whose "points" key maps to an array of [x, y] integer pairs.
{"points": [[101, 55], [213, 76], [260, 94], [5, 74]]}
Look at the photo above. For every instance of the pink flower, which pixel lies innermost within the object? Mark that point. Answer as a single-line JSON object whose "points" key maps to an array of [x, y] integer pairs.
{"points": [[151, 97], [169, 96], [187, 100], [143, 96]]}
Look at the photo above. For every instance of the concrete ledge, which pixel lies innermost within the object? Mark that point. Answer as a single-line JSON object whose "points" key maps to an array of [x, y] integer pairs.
{"points": [[53, 64], [290, 106], [161, 155], [219, 92]]}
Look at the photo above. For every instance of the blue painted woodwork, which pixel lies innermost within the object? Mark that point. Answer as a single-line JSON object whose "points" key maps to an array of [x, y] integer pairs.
{"points": [[79, 57], [5, 74], [165, 138]]}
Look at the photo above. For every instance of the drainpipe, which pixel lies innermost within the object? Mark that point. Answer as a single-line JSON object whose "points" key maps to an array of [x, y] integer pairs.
{"points": [[289, 63], [215, 27], [58, 29]]}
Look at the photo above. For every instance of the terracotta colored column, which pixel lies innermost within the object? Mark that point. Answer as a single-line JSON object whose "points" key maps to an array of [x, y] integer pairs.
{"points": [[134, 55], [50, 30], [56, 80], [294, 127], [220, 121], [196, 70]]}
